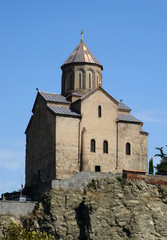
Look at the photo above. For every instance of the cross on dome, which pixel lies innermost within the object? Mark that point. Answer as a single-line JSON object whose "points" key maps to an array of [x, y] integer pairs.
{"points": [[82, 35]]}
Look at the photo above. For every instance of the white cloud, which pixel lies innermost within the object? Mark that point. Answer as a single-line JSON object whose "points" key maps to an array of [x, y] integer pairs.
{"points": [[152, 116]]}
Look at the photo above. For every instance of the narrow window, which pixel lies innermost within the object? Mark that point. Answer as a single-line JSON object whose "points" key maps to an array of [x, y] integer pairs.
{"points": [[99, 111], [97, 168], [92, 145], [79, 80], [105, 147], [89, 80], [83, 83], [127, 148], [67, 84], [97, 81], [71, 82]]}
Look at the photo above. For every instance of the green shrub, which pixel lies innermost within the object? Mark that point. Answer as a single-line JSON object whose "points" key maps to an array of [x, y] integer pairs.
{"points": [[16, 232], [91, 184], [120, 179]]}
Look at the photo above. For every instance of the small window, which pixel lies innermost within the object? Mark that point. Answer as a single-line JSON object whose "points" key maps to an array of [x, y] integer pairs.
{"points": [[97, 81], [89, 80], [71, 82], [67, 84], [99, 111], [97, 168], [105, 147], [92, 145], [127, 148], [83, 84], [79, 80]]}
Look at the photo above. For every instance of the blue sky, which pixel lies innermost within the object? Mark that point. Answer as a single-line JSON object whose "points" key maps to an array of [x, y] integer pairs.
{"points": [[128, 37]]}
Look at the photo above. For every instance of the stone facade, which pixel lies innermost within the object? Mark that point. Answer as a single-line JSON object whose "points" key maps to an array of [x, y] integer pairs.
{"points": [[40, 142], [16, 208], [82, 129], [79, 76]]}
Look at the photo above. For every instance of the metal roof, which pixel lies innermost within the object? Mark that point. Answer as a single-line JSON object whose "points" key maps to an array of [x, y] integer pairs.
{"points": [[63, 111], [122, 106], [76, 94], [53, 97], [82, 54], [127, 118], [143, 131]]}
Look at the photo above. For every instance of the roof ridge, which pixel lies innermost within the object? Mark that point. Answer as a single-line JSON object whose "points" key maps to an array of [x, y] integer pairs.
{"points": [[50, 93], [123, 106]]}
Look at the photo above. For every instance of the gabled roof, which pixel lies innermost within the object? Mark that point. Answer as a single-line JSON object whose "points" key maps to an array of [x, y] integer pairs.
{"points": [[142, 131], [51, 97], [63, 111], [93, 91], [128, 118], [122, 106], [82, 54]]}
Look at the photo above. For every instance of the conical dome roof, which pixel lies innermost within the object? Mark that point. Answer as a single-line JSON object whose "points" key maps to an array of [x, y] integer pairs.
{"points": [[82, 54]]}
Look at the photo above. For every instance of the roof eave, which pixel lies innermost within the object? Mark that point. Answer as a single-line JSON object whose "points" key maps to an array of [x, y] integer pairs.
{"points": [[81, 63], [124, 110], [131, 122], [63, 115], [144, 133]]}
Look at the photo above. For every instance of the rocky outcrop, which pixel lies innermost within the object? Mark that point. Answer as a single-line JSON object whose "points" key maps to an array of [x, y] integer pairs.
{"points": [[5, 220], [107, 209]]}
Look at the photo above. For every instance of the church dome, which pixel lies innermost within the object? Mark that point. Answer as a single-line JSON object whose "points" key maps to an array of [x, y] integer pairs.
{"points": [[82, 54], [82, 72]]}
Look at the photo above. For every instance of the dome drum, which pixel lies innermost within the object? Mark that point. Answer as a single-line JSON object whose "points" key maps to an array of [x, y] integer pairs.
{"points": [[80, 78]]}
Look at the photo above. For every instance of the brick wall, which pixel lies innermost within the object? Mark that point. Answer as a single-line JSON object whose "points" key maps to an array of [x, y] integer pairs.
{"points": [[151, 179]]}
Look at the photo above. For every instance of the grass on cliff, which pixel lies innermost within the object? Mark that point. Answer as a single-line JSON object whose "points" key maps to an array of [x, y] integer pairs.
{"points": [[16, 232]]}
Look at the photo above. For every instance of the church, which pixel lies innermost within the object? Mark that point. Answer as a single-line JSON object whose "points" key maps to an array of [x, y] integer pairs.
{"points": [[84, 128]]}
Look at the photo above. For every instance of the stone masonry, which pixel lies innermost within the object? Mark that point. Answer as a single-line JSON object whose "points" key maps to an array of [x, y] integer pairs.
{"points": [[82, 129]]}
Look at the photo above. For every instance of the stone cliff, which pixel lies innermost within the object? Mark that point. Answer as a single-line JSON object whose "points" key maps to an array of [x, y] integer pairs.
{"points": [[107, 209]]}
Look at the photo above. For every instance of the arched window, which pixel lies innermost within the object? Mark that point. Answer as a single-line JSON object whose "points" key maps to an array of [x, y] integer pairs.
{"points": [[67, 84], [127, 148], [83, 83], [89, 80], [105, 147], [80, 80], [71, 82], [92, 145], [99, 111]]}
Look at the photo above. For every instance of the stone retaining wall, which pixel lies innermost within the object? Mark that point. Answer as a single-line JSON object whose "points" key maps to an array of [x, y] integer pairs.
{"points": [[80, 180], [16, 208]]}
